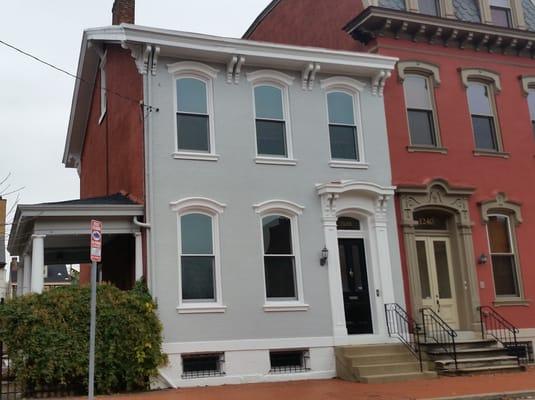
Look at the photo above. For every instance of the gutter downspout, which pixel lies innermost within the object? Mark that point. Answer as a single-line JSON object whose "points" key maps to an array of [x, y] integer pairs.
{"points": [[143, 225]]}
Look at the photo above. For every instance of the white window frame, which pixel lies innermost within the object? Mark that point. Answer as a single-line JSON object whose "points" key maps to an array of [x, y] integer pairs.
{"points": [[291, 211], [514, 253], [353, 88], [283, 82], [206, 74], [103, 88], [213, 209]]}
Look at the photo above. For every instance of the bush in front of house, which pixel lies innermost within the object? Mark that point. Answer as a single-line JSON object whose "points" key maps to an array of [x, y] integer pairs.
{"points": [[47, 339]]}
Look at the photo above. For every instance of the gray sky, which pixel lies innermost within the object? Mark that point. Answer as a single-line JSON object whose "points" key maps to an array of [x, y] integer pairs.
{"points": [[35, 100]]}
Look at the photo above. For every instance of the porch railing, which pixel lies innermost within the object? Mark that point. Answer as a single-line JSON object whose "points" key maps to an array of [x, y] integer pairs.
{"points": [[404, 328], [495, 325], [438, 331]]}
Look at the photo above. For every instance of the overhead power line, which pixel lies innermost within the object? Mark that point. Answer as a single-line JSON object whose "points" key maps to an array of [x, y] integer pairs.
{"points": [[50, 65]]}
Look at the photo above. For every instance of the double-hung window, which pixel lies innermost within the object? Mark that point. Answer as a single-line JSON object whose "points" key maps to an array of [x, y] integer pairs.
{"points": [[271, 130], [531, 104], [342, 126], [481, 103], [193, 120], [502, 250], [419, 102], [501, 14]]}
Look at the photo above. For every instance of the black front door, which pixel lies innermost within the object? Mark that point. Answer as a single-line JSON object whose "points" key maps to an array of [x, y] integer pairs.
{"points": [[355, 286]]}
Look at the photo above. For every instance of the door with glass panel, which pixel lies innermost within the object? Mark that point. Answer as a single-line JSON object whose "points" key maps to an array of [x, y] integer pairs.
{"points": [[436, 278]]}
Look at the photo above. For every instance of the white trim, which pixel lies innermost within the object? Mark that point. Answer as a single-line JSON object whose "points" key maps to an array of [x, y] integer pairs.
{"points": [[274, 161], [348, 164], [282, 306], [103, 88], [182, 155], [278, 206], [269, 76], [192, 67], [344, 83], [353, 185], [200, 308], [197, 203], [206, 74]]}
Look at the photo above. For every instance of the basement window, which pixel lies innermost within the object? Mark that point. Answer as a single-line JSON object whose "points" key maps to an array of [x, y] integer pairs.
{"points": [[289, 361], [202, 365]]}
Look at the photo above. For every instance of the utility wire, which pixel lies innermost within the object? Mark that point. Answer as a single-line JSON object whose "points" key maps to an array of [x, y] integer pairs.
{"points": [[27, 54]]}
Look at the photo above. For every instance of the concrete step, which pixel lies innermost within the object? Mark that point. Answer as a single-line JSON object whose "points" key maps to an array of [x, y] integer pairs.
{"points": [[469, 353], [486, 370], [391, 368], [487, 362], [375, 349], [386, 378], [381, 359], [462, 345]]}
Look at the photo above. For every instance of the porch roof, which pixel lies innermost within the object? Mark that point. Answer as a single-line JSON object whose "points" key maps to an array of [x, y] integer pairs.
{"points": [[72, 218]]}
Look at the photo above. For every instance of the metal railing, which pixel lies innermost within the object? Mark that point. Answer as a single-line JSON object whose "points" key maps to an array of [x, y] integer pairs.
{"points": [[436, 329], [403, 327], [495, 325]]}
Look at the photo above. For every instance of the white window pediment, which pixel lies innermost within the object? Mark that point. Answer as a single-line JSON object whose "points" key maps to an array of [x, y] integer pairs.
{"points": [[278, 206], [342, 83], [270, 76], [419, 67], [193, 68], [198, 204], [479, 74]]}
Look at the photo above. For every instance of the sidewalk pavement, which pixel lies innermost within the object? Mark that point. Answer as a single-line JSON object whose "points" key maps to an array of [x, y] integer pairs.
{"points": [[444, 387]]}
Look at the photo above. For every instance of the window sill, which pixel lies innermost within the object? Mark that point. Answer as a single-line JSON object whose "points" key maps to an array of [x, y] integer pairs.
{"points": [[427, 149], [195, 156], [285, 307], [490, 153], [511, 302], [275, 161], [348, 164], [200, 308]]}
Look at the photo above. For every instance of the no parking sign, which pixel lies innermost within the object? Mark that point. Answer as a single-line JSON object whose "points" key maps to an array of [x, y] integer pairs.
{"points": [[96, 241]]}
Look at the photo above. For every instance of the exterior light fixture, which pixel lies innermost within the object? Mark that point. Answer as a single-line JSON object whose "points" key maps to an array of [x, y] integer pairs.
{"points": [[482, 259], [324, 256]]}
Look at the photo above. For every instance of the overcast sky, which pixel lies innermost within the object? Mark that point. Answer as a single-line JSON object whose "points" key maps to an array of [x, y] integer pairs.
{"points": [[35, 100]]}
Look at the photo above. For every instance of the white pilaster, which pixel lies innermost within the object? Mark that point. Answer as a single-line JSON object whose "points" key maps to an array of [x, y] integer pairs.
{"points": [[139, 255], [27, 274], [20, 278], [38, 263]]}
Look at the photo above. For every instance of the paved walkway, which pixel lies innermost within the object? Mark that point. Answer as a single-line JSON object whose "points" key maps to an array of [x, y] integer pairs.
{"points": [[335, 389]]}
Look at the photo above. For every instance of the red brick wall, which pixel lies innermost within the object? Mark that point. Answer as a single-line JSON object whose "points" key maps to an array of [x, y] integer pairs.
{"points": [[112, 158]]}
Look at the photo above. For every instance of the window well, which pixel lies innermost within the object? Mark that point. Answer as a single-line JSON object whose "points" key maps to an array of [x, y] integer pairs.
{"points": [[289, 361], [202, 365]]}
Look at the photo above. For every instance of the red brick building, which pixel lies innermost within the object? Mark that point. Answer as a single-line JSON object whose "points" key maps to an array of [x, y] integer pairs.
{"points": [[460, 113]]}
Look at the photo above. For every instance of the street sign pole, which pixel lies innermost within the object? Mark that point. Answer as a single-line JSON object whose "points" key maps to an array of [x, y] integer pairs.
{"points": [[92, 331], [96, 256]]}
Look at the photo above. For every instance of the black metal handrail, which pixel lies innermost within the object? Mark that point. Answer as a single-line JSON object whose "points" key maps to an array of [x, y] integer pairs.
{"points": [[495, 325], [403, 327], [438, 330]]}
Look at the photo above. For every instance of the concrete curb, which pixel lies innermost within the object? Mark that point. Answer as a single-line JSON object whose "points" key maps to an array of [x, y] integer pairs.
{"points": [[491, 396]]}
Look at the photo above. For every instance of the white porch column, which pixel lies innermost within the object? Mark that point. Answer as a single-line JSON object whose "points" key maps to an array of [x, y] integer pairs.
{"points": [[20, 278], [38, 263], [383, 256], [333, 264], [27, 274], [139, 255]]}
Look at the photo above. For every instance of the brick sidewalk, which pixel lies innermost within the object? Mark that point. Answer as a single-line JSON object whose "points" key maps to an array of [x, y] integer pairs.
{"points": [[335, 389]]}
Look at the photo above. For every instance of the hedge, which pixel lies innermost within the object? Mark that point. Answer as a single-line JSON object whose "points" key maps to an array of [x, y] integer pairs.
{"points": [[47, 339]]}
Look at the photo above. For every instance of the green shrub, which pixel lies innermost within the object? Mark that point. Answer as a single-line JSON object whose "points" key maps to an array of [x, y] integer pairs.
{"points": [[47, 338]]}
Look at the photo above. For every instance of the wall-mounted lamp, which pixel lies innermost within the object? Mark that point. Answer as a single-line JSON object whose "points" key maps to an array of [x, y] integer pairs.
{"points": [[324, 256], [482, 259]]}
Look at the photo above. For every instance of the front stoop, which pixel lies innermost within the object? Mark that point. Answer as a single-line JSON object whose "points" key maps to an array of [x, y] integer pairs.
{"points": [[379, 364]]}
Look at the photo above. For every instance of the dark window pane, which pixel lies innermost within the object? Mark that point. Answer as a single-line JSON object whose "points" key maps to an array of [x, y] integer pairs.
{"points": [[196, 234], [505, 279], [501, 16], [421, 127], [191, 96], [341, 108], [268, 102], [484, 132], [417, 92], [343, 142], [280, 277], [424, 269], [431, 220], [479, 99], [429, 7], [193, 132], [498, 227], [277, 233], [443, 272], [348, 224], [198, 278], [531, 104], [271, 138]]}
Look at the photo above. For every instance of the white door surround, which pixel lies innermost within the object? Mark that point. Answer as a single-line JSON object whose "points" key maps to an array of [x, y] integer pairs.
{"points": [[368, 202]]}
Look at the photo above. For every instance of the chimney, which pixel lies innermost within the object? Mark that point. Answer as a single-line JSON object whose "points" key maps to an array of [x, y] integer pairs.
{"points": [[124, 11]]}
